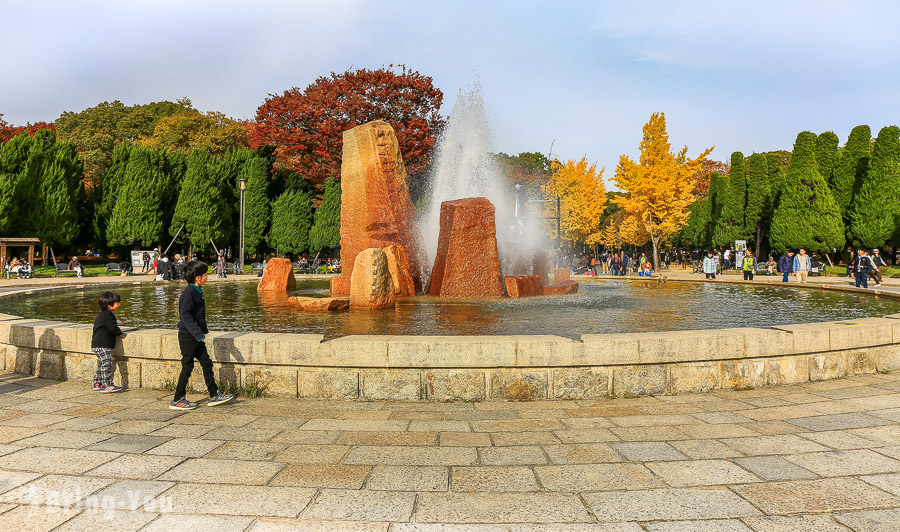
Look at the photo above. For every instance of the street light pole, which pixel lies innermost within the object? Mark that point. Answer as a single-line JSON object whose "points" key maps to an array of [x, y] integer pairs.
{"points": [[243, 184]]}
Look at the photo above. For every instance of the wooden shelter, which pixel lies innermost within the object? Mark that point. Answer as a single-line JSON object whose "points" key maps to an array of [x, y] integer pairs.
{"points": [[18, 243]]}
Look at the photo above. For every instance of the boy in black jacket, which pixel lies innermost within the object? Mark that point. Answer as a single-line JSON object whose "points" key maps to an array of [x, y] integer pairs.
{"points": [[192, 332], [106, 329]]}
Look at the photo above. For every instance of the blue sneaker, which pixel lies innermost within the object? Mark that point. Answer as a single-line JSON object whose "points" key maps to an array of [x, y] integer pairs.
{"points": [[98, 387], [219, 399], [182, 404], [111, 389]]}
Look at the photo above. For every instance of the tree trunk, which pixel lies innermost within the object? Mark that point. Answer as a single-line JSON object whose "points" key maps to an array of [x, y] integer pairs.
{"points": [[758, 240], [44, 253], [655, 241]]}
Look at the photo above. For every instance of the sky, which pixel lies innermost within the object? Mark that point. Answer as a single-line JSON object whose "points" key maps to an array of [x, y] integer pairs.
{"points": [[582, 76]]}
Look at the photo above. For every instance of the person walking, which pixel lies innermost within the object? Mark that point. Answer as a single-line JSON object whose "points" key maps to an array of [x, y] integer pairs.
{"points": [[221, 267], [862, 266], [103, 340], [786, 265], [710, 265], [726, 260], [695, 260], [748, 266], [802, 266], [145, 259], [879, 263]]}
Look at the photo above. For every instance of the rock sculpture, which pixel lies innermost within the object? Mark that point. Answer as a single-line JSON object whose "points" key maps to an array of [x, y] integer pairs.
{"points": [[278, 276], [523, 286], [561, 275], [376, 210], [562, 289], [370, 283], [398, 266], [467, 264], [321, 304]]}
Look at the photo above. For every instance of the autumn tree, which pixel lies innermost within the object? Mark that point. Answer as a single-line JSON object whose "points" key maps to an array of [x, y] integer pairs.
{"points": [[876, 207], [307, 126], [807, 215], [8, 131], [851, 169], [582, 199], [658, 187], [190, 129], [702, 179], [731, 225]]}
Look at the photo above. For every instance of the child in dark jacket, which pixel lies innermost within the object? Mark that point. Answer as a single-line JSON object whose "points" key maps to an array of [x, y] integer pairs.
{"points": [[106, 329], [192, 332]]}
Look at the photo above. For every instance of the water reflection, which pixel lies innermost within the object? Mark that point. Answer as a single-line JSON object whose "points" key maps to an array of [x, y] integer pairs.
{"points": [[605, 306]]}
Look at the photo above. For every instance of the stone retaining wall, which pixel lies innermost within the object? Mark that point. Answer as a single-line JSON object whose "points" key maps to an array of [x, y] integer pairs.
{"points": [[472, 368]]}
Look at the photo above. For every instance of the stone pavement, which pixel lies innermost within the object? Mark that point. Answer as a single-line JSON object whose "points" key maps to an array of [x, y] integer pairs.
{"points": [[818, 456]]}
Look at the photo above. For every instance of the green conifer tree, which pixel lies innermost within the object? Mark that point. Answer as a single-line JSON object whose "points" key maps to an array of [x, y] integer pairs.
{"points": [[777, 163], [731, 225], [876, 206], [828, 155], [105, 193], [851, 169], [292, 217], [326, 232], [137, 217], [13, 155], [807, 215], [759, 198], [201, 207], [258, 211], [55, 219]]}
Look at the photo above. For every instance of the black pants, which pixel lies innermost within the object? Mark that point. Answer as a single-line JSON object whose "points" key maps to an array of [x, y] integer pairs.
{"points": [[876, 276], [191, 349], [710, 276], [748, 275]]}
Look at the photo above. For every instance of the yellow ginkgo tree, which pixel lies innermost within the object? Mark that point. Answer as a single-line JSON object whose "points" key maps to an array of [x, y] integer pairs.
{"points": [[658, 188], [582, 199]]}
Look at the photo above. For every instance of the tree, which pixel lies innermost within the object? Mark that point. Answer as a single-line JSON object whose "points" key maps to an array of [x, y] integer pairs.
{"points": [[55, 221], [326, 231], [292, 217], [807, 216], [211, 131], [851, 169], [106, 189], [527, 168], [731, 225], [257, 210], [827, 155], [582, 199], [777, 163], [876, 207], [759, 198], [8, 131], [201, 208], [703, 177], [138, 216], [659, 187], [307, 126], [13, 156]]}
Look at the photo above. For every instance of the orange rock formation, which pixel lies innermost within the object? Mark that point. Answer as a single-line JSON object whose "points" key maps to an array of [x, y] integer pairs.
{"points": [[370, 284], [321, 304], [398, 266], [278, 275], [523, 286]]}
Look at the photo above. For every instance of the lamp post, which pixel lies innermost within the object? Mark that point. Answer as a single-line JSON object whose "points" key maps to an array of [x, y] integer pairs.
{"points": [[243, 185]]}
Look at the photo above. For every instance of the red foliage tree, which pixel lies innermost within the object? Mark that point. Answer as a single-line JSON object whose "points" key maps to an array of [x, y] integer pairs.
{"points": [[8, 131], [701, 179], [306, 127]]}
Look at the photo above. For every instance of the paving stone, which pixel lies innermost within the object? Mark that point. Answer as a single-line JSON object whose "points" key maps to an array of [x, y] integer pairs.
{"points": [[240, 434], [222, 499], [500, 507], [59, 461], [713, 525], [134, 426], [187, 447], [872, 520], [840, 440], [795, 523], [134, 494], [786, 412], [493, 478], [129, 443], [35, 420], [198, 523], [721, 417], [721, 430], [444, 527], [465, 439], [408, 478], [516, 425], [596, 477], [277, 423], [12, 434], [578, 527], [888, 435], [440, 426], [668, 504], [648, 451], [314, 437], [247, 450], [845, 463], [14, 479], [771, 428], [437, 456], [181, 430], [839, 422], [388, 438], [63, 438], [815, 496], [523, 438], [84, 423], [891, 450], [44, 406], [270, 524], [355, 505], [321, 476], [779, 444], [376, 425], [136, 466], [100, 519], [650, 434], [211, 416], [57, 491], [701, 473], [244, 472], [89, 410], [773, 468], [508, 456], [585, 435], [701, 449], [313, 454], [27, 518], [889, 483], [146, 414], [581, 453]]}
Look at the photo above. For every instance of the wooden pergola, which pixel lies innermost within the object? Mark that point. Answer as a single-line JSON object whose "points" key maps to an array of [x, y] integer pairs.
{"points": [[18, 243]]}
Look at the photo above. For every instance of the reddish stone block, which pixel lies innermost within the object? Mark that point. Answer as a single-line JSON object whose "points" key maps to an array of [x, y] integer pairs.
{"points": [[398, 267], [560, 275], [370, 284], [321, 304], [340, 285], [467, 264], [278, 275], [523, 286], [561, 289], [376, 210]]}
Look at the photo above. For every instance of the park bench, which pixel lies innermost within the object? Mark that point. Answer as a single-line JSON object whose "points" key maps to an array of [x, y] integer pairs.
{"points": [[256, 267], [113, 267], [63, 268], [761, 269]]}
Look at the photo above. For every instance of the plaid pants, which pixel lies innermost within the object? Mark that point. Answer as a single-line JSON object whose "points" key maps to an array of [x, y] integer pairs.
{"points": [[104, 365]]}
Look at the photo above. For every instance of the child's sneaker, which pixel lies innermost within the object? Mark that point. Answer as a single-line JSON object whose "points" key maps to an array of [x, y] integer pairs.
{"points": [[182, 404], [111, 389], [219, 399], [98, 387]]}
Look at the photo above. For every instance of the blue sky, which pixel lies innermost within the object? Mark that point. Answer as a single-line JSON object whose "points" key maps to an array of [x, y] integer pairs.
{"points": [[738, 76]]}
